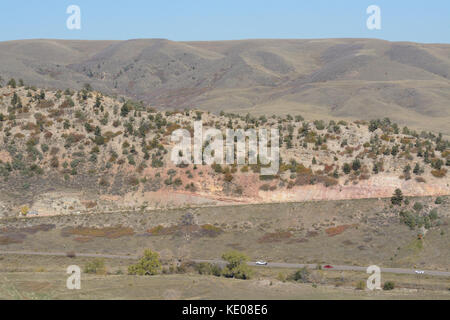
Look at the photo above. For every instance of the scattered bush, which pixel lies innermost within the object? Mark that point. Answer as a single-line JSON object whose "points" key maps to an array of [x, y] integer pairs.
{"points": [[418, 206], [97, 266], [148, 265], [205, 268], [389, 285], [397, 198], [361, 285], [237, 265], [303, 275], [439, 173]]}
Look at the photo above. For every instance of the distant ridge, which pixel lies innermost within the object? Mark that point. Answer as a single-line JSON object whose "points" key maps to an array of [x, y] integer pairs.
{"points": [[331, 78]]}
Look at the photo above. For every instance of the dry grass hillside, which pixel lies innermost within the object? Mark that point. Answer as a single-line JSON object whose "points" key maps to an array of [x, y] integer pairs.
{"points": [[79, 151], [331, 78]]}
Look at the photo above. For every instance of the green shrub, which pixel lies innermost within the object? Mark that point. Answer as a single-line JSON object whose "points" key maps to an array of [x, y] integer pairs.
{"points": [[205, 268], [302, 275], [237, 265], [397, 198], [177, 182], [408, 219], [347, 169], [361, 285], [320, 125], [434, 214], [356, 165], [97, 266], [389, 285], [418, 206], [217, 168], [149, 264]]}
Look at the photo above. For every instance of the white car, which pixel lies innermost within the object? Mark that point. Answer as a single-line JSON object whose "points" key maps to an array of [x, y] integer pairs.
{"points": [[261, 263], [420, 272]]}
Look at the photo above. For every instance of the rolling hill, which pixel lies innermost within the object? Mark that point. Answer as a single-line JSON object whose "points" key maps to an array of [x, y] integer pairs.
{"points": [[90, 150], [330, 78]]}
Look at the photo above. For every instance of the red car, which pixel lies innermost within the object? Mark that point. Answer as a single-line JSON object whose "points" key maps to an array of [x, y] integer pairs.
{"points": [[328, 267]]}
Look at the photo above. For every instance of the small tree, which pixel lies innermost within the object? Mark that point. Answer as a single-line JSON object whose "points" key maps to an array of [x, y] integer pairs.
{"points": [[376, 170], [395, 150], [302, 275], [148, 265], [347, 169], [24, 210], [361, 285], [407, 172], [438, 164], [417, 169], [418, 206], [389, 285], [356, 165], [98, 102], [237, 265], [15, 99], [433, 214], [97, 266], [12, 83], [125, 110], [397, 198]]}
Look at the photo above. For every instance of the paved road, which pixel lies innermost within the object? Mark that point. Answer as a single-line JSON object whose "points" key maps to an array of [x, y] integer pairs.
{"points": [[335, 268], [65, 254], [223, 263]]}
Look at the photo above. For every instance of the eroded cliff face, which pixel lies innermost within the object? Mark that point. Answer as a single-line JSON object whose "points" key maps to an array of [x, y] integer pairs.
{"points": [[82, 152], [375, 187], [63, 203]]}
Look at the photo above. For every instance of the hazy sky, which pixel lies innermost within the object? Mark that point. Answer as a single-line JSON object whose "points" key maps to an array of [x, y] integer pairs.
{"points": [[402, 20]]}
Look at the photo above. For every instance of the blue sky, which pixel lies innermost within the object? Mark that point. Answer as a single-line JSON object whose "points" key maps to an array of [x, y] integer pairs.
{"points": [[402, 20]]}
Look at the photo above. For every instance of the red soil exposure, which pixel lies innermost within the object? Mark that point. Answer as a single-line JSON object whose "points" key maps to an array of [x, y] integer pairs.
{"points": [[110, 232], [275, 237], [339, 229]]}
